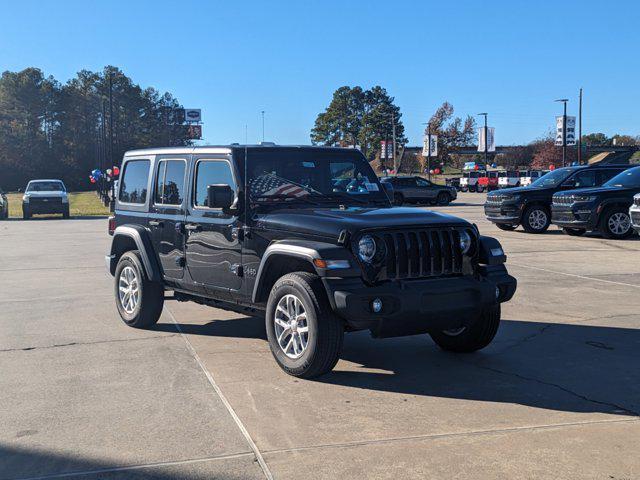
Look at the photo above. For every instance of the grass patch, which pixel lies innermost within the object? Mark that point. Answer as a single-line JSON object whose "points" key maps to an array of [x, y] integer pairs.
{"points": [[81, 204]]}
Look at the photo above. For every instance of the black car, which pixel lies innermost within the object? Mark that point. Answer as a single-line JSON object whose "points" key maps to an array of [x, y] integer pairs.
{"points": [[408, 189], [273, 230], [605, 208], [530, 206]]}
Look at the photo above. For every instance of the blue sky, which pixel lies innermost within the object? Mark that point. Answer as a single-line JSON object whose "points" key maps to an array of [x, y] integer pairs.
{"points": [[236, 58]]}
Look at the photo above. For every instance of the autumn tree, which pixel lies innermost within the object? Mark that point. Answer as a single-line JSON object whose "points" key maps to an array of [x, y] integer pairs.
{"points": [[546, 153], [451, 131]]}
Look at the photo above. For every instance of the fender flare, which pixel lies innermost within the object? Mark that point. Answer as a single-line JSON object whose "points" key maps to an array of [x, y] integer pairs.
{"points": [[143, 244], [307, 251]]}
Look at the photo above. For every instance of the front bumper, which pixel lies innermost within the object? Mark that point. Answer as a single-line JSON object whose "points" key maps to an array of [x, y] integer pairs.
{"points": [[574, 216], [419, 306], [45, 207], [507, 213], [634, 213]]}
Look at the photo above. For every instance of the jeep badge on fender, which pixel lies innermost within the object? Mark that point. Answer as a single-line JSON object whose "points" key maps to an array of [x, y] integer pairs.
{"points": [[322, 250]]}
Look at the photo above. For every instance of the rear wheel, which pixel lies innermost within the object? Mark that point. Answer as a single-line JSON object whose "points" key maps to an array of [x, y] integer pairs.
{"points": [[574, 232], [464, 189], [305, 336], [615, 223], [472, 337], [505, 227], [479, 188], [139, 300], [535, 219], [443, 198]]}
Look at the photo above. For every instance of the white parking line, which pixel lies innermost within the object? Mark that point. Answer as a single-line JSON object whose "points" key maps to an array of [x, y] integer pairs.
{"points": [[245, 433], [575, 275]]}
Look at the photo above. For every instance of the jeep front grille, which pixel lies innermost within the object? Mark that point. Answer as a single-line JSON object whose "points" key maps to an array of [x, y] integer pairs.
{"points": [[635, 218], [422, 253], [497, 199], [563, 200]]}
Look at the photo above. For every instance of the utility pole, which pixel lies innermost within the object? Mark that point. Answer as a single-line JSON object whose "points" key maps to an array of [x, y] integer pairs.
{"points": [[393, 136], [564, 130], [580, 128], [486, 140], [103, 154], [262, 112], [113, 192]]}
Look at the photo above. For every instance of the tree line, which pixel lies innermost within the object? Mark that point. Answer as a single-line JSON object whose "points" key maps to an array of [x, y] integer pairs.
{"points": [[50, 129]]}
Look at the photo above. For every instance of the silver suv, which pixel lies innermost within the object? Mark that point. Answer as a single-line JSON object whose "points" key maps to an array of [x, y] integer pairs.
{"points": [[45, 196]]}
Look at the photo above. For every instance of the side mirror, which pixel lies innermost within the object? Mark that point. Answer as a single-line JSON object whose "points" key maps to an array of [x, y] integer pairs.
{"points": [[388, 189], [219, 196]]}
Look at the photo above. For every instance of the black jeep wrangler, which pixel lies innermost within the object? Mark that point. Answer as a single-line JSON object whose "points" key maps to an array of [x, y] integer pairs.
{"points": [[605, 208], [306, 235], [530, 206]]}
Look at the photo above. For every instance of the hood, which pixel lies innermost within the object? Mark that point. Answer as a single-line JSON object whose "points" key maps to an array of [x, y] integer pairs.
{"points": [[329, 222], [595, 190], [512, 191], [52, 193]]}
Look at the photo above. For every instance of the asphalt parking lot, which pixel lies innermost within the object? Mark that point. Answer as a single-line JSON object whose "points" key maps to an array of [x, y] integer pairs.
{"points": [[557, 395]]}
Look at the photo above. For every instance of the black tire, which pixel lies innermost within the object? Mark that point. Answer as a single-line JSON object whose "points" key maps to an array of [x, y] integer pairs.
{"points": [[505, 227], [608, 230], [65, 214], [536, 219], [398, 199], [151, 294], [473, 337], [574, 232], [443, 198], [325, 329], [464, 189], [479, 189], [26, 214]]}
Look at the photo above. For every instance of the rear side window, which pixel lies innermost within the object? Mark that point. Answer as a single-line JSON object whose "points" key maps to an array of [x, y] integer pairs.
{"points": [[606, 175], [211, 172], [170, 183], [133, 185]]}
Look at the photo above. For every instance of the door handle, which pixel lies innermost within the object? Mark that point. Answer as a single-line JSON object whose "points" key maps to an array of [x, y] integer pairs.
{"points": [[193, 227], [156, 223]]}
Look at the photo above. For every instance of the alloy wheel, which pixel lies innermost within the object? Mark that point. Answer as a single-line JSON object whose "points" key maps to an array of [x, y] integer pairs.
{"points": [[291, 327], [619, 223], [128, 289], [537, 219]]}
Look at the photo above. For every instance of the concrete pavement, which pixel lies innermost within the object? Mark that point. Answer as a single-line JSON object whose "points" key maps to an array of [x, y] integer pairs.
{"points": [[557, 395]]}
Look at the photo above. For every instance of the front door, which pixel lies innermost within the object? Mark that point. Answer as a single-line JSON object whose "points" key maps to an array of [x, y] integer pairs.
{"points": [[427, 190], [213, 245], [167, 212]]}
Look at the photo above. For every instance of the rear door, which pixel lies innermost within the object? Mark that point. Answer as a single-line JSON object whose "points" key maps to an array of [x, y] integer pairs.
{"points": [[213, 245], [426, 189], [607, 174], [167, 213]]}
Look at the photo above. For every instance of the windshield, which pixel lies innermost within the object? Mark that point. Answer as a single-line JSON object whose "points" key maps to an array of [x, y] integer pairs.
{"points": [[53, 186], [312, 176], [629, 178], [553, 179]]}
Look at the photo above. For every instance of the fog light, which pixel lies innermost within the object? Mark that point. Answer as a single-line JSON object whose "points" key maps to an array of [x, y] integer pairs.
{"points": [[376, 305], [497, 293]]}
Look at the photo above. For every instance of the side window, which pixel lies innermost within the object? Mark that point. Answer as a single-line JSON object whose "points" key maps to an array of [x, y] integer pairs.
{"points": [[211, 172], [586, 178], [422, 182], [170, 182], [133, 184], [605, 175]]}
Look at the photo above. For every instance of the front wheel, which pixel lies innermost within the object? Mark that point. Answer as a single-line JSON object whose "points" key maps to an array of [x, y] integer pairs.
{"points": [[139, 300], [479, 189], [65, 214], [472, 337], [464, 189], [305, 336], [616, 223], [535, 219], [574, 232]]}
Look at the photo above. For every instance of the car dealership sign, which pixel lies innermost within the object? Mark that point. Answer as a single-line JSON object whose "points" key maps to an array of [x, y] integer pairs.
{"points": [[571, 131], [193, 115]]}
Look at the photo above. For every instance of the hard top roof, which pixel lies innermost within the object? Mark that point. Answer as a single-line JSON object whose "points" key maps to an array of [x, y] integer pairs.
{"points": [[225, 149]]}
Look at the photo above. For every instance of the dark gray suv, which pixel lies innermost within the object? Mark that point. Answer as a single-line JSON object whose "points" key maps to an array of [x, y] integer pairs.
{"points": [[419, 190]]}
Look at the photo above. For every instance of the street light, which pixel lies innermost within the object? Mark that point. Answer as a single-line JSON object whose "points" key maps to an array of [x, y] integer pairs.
{"points": [[564, 130], [486, 155]]}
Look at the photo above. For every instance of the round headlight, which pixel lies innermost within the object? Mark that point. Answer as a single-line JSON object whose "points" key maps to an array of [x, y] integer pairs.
{"points": [[465, 241], [367, 248]]}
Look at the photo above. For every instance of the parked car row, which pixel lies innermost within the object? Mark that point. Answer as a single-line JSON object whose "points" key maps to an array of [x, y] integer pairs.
{"points": [[576, 199], [480, 180], [409, 189]]}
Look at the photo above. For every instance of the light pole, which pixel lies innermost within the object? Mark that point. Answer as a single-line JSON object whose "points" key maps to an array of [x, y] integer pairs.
{"points": [[486, 140], [564, 130], [428, 124], [262, 112]]}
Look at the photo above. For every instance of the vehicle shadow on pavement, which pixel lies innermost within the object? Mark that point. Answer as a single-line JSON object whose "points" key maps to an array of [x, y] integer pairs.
{"points": [[573, 368], [555, 366]]}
